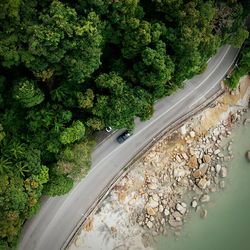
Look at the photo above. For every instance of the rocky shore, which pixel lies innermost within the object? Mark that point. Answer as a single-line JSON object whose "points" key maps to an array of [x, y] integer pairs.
{"points": [[175, 178]]}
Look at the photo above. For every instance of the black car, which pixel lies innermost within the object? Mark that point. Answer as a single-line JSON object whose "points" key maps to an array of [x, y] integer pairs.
{"points": [[124, 136]]}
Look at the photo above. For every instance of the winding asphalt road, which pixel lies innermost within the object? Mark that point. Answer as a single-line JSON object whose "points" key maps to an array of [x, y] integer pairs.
{"points": [[58, 217]]}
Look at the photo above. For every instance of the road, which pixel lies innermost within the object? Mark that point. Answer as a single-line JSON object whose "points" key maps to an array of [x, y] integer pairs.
{"points": [[53, 225]]}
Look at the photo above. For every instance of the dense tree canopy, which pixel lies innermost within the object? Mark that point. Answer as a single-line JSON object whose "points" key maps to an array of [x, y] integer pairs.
{"points": [[69, 68]]}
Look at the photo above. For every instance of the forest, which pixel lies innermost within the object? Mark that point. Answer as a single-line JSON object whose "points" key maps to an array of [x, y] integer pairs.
{"points": [[70, 68]]}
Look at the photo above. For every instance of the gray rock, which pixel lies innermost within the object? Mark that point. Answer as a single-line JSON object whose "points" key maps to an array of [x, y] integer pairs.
{"points": [[216, 132], [151, 218], [161, 208], [152, 203], [229, 148], [178, 158], [217, 151], [216, 180], [223, 172], [184, 204], [220, 155], [177, 215], [194, 204], [197, 190], [248, 155], [246, 121], [203, 213], [218, 168], [192, 134], [149, 224], [179, 172], [181, 209], [174, 223], [166, 212], [184, 155], [155, 197], [205, 198], [203, 183], [163, 221], [183, 130], [152, 186], [197, 209]]}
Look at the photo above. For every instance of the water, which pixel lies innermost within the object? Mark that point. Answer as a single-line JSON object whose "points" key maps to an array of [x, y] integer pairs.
{"points": [[227, 226]]}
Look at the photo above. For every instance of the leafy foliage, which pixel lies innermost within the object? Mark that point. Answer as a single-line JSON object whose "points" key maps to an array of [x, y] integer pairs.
{"points": [[242, 68]]}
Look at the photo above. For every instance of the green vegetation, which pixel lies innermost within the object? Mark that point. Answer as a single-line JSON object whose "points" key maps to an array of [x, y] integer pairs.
{"points": [[242, 68], [69, 68]]}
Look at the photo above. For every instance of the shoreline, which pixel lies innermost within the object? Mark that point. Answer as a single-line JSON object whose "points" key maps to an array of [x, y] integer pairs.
{"points": [[152, 198]]}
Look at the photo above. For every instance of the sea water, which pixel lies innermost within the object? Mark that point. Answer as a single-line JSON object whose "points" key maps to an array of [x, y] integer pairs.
{"points": [[227, 226]]}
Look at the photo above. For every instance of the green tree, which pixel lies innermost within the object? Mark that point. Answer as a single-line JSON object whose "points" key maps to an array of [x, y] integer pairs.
{"points": [[27, 93], [73, 133], [112, 81], [58, 185]]}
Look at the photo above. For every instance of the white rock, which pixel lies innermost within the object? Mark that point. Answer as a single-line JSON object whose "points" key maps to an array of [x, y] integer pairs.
{"points": [[166, 212], [217, 151], [192, 134], [177, 157], [184, 155], [194, 204], [162, 221], [177, 215], [216, 132], [203, 213], [149, 224], [179, 172], [161, 208], [78, 242], [174, 223], [183, 130], [223, 172], [218, 168], [203, 183], [220, 155], [205, 198], [152, 203], [152, 186], [191, 151], [155, 197], [184, 204], [180, 208]]}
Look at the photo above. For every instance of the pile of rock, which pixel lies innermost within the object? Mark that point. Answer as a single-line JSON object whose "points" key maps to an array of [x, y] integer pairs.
{"points": [[198, 166]]}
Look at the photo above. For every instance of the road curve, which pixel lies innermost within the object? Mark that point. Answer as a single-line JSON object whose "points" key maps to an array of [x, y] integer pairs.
{"points": [[58, 216]]}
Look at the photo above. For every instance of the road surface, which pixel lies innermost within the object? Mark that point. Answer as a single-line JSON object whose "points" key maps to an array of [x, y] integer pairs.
{"points": [[58, 217]]}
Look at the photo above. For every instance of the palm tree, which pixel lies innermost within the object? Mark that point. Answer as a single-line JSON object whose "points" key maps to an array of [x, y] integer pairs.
{"points": [[5, 165]]}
